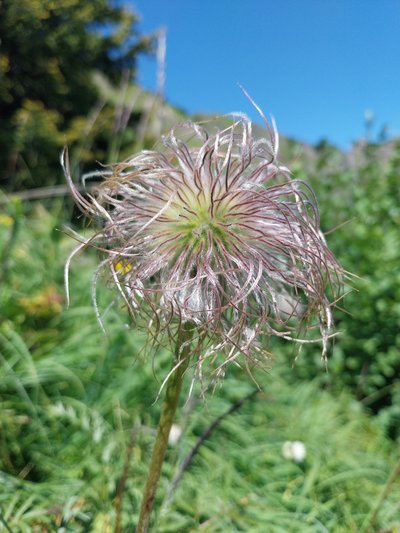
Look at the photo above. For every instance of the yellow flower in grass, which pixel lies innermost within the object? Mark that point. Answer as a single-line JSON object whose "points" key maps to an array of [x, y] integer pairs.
{"points": [[6, 220], [122, 268]]}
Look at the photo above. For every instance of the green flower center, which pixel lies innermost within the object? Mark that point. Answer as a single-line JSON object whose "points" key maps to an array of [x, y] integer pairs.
{"points": [[196, 218]]}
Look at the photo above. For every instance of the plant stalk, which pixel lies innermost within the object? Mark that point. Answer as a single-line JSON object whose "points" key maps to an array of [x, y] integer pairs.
{"points": [[173, 389]]}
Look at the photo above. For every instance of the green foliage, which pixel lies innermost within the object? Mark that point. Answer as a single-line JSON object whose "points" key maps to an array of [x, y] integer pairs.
{"points": [[72, 399], [366, 202], [48, 97]]}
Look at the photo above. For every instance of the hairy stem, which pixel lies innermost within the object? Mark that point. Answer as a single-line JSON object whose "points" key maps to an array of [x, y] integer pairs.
{"points": [[173, 389]]}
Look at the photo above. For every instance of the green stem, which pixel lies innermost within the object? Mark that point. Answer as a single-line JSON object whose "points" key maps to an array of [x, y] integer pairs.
{"points": [[173, 389]]}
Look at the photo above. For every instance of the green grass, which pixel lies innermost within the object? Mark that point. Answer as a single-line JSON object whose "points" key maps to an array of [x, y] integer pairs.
{"points": [[73, 401]]}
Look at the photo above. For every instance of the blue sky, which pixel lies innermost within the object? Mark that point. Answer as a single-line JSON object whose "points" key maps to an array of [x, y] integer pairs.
{"points": [[316, 65]]}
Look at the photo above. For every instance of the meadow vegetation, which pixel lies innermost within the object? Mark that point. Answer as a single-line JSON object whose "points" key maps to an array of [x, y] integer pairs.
{"points": [[76, 403], [77, 406]]}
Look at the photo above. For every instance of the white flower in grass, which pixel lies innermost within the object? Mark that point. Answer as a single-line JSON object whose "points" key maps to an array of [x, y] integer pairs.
{"points": [[174, 434], [294, 451]]}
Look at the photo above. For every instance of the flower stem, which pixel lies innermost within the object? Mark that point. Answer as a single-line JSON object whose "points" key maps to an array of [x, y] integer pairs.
{"points": [[173, 389]]}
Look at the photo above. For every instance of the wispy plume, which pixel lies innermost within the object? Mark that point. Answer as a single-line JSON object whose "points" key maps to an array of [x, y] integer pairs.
{"points": [[211, 230]]}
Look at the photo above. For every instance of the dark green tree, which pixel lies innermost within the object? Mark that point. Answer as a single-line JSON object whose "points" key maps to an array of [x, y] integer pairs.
{"points": [[49, 50]]}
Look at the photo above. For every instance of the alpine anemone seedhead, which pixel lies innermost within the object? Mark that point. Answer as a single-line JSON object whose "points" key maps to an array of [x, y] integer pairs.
{"points": [[211, 230]]}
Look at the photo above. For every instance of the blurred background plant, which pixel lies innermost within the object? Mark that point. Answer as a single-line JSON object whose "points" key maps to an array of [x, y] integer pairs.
{"points": [[362, 200], [77, 413], [51, 58]]}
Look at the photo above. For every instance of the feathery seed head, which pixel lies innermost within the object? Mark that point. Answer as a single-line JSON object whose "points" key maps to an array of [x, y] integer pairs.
{"points": [[213, 231]]}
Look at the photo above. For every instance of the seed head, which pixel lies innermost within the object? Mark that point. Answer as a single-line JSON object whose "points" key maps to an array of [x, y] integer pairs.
{"points": [[211, 230]]}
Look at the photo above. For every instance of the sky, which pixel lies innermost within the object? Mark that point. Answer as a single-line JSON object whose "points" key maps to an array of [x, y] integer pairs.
{"points": [[318, 66]]}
